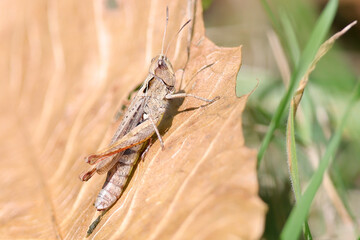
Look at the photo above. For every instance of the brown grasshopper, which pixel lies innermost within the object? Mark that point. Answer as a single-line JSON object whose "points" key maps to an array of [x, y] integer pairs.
{"points": [[138, 125]]}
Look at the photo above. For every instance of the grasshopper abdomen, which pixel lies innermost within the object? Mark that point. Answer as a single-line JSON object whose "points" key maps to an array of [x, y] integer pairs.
{"points": [[117, 178]]}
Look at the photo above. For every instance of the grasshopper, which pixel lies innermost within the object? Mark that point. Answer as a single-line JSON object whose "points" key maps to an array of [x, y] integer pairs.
{"points": [[138, 125]]}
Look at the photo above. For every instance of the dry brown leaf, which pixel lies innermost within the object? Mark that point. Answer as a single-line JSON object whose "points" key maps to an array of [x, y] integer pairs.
{"points": [[66, 67]]}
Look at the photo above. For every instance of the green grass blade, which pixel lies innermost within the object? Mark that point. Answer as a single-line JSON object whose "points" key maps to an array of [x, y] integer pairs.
{"points": [[271, 15], [317, 37], [298, 215], [293, 164], [291, 39], [291, 154]]}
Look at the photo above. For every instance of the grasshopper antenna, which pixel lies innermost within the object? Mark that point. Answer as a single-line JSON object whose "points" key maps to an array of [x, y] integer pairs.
{"points": [[182, 27], [167, 20]]}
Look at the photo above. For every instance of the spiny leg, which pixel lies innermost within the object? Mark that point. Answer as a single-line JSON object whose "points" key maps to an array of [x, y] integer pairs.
{"points": [[136, 136]]}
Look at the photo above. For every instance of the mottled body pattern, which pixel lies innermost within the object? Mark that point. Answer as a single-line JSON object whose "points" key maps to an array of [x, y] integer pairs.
{"points": [[138, 125]]}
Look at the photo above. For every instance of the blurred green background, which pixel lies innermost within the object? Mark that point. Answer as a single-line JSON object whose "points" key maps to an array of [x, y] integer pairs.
{"points": [[274, 35]]}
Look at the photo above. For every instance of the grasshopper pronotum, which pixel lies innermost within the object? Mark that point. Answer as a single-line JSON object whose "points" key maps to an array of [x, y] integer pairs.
{"points": [[138, 125]]}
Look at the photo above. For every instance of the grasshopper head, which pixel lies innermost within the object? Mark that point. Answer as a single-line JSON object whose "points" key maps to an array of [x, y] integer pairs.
{"points": [[162, 69]]}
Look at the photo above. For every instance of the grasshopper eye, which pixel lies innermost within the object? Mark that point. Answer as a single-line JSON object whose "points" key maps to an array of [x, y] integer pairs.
{"points": [[162, 65]]}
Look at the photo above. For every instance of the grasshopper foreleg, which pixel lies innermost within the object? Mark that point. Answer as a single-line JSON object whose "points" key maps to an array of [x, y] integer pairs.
{"points": [[183, 95]]}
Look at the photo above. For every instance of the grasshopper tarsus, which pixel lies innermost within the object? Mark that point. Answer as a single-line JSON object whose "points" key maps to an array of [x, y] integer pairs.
{"points": [[215, 99]]}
